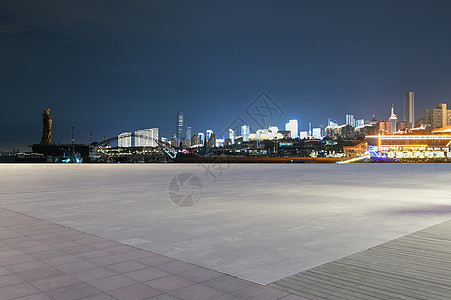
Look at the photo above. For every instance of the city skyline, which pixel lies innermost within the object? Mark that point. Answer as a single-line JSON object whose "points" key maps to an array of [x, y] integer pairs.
{"points": [[114, 68]]}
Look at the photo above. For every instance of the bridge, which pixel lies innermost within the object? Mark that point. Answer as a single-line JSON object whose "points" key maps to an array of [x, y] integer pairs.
{"points": [[166, 147]]}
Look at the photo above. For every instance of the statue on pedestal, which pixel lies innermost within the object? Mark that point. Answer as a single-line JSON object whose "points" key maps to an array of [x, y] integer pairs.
{"points": [[47, 130]]}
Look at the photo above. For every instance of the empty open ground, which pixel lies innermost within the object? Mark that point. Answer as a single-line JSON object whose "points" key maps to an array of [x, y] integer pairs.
{"points": [[261, 222]]}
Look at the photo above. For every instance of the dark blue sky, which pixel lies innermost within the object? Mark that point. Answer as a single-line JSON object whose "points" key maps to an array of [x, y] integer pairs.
{"points": [[111, 66]]}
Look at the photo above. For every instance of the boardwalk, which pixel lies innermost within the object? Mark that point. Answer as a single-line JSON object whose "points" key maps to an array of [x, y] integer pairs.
{"points": [[416, 266]]}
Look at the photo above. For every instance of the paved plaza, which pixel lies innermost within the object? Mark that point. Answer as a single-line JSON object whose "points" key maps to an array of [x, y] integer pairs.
{"points": [[258, 222]]}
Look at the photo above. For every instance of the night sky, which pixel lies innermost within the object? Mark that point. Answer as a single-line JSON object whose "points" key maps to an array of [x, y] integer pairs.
{"points": [[111, 66]]}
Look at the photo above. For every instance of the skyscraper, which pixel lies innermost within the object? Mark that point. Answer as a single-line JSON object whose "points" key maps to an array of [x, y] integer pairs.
{"points": [[438, 117], [245, 132], [332, 123], [180, 126], [201, 137], [124, 139], [409, 108], [393, 119], [209, 133], [188, 132], [350, 120], [232, 135], [146, 137], [292, 126]]}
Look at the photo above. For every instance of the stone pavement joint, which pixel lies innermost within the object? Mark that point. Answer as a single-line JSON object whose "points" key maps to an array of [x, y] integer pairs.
{"points": [[42, 260]]}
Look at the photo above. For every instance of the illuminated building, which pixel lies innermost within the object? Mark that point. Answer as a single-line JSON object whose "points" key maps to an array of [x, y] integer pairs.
{"points": [[438, 117], [232, 136], [359, 122], [271, 133], [209, 133], [384, 127], [436, 145], [316, 133], [366, 129], [245, 131], [332, 123], [180, 126], [303, 135], [409, 108], [292, 126], [201, 137], [393, 120], [350, 120], [211, 140], [188, 132], [345, 131], [124, 139], [309, 129], [186, 142], [195, 140], [146, 137]]}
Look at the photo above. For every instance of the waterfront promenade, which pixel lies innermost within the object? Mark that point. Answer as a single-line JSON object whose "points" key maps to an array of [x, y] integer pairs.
{"points": [[262, 223]]}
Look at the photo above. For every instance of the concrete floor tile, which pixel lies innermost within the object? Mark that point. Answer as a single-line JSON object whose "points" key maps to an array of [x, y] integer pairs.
{"points": [[107, 260], [79, 249], [56, 282], [4, 271], [176, 267], [76, 267], [134, 292], [112, 283], [227, 284], [197, 292], [61, 260], [125, 267], [259, 292], [164, 297], [16, 291], [105, 245], [40, 273], [135, 254], [37, 249], [169, 283], [11, 279], [200, 275], [293, 297], [16, 259], [100, 297], [74, 292], [92, 254], [35, 264], [48, 254], [28, 244], [9, 253], [155, 260], [118, 249], [229, 297], [93, 274], [40, 296], [146, 274]]}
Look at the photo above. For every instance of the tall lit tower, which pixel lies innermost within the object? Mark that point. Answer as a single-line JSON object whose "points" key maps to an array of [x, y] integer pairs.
{"points": [[350, 120], [393, 119], [180, 126], [409, 108], [245, 132], [292, 126]]}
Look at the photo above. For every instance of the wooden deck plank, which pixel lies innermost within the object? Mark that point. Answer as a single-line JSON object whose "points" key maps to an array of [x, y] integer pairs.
{"points": [[416, 266]]}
